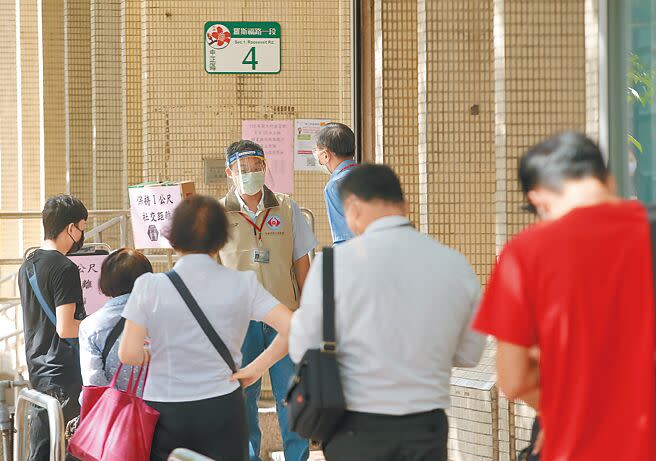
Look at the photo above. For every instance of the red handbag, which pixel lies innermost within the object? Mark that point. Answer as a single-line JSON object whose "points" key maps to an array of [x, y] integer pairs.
{"points": [[116, 425]]}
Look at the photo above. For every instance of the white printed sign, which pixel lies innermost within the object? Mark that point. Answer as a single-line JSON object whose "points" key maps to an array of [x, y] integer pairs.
{"points": [[305, 132], [151, 210]]}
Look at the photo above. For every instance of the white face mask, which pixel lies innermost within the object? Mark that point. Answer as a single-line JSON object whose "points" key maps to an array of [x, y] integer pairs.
{"points": [[324, 168], [250, 183]]}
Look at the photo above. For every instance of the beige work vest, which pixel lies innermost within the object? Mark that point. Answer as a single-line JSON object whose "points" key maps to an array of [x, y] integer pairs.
{"points": [[273, 233]]}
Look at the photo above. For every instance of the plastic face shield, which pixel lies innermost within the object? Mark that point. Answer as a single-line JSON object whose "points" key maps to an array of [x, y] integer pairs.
{"points": [[248, 171]]}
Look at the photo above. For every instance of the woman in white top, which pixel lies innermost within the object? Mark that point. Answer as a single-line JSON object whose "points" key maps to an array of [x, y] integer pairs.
{"points": [[199, 399]]}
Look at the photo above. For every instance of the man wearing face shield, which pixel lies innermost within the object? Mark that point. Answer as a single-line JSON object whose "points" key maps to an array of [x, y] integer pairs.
{"points": [[53, 306], [270, 237]]}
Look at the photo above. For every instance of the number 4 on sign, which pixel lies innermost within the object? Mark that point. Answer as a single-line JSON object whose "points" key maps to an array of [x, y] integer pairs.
{"points": [[252, 61]]}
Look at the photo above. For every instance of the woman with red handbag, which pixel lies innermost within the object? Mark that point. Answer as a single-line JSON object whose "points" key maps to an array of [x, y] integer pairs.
{"points": [[196, 317]]}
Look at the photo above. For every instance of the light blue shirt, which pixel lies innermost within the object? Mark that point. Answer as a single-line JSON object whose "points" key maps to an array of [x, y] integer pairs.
{"points": [[94, 331], [334, 207]]}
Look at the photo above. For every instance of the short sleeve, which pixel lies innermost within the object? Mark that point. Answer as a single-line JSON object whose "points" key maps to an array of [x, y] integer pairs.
{"points": [[135, 309], [304, 239], [67, 289], [307, 322], [335, 208], [505, 312], [261, 301]]}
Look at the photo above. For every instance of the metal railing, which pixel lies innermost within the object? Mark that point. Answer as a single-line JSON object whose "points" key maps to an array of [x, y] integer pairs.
{"points": [[182, 454], [55, 424]]}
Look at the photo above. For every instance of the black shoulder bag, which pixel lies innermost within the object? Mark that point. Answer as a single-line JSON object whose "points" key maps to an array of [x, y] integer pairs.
{"points": [[111, 340], [526, 453], [315, 400], [200, 317]]}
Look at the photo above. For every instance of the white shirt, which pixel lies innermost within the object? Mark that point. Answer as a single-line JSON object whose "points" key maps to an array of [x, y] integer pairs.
{"points": [[404, 304], [184, 365]]}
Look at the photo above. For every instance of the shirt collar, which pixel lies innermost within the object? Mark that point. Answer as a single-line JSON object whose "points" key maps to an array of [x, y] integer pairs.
{"points": [[193, 259], [387, 222], [244, 207], [120, 300], [341, 167]]}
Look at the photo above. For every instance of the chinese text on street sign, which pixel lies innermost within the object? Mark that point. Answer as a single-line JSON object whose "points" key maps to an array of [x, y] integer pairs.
{"points": [[242, 47]]}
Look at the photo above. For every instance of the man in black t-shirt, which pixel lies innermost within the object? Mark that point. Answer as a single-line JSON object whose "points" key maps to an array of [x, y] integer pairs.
{"points": [[51, 323]]}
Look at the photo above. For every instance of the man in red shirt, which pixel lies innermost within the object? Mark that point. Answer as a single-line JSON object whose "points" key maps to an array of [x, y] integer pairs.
{"points": [[576, 290]]}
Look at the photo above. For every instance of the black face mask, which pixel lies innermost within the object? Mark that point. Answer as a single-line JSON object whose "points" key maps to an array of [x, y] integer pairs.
{"points": [[77, 245]]}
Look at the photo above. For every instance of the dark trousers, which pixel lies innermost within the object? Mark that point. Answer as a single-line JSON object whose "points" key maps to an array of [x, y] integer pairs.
{"points": [[213, 427], [371, 437], [38, 420]]}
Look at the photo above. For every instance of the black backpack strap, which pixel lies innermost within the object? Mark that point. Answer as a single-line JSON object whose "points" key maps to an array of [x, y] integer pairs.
{"points": [[328, 344], [111, 340], [200, 317]]}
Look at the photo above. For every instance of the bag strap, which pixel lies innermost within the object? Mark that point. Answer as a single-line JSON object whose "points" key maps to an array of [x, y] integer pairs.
{"points": [[200, 317], [111, 340], [328, 344], [34, 283]]}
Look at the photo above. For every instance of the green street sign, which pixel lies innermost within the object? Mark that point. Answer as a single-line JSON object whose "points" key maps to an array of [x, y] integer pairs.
{"points": [[242, 47]]}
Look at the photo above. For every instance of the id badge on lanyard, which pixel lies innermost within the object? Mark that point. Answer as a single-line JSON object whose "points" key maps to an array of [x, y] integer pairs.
{"points": [[258, 255]]}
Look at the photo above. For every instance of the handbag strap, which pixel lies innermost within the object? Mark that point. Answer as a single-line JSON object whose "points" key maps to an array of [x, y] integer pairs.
{"points": [[111, 340], [200, 317], [328, 344], [34, 283]]}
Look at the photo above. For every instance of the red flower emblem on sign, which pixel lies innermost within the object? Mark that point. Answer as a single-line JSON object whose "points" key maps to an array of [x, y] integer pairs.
{"points": [[218, 36]]}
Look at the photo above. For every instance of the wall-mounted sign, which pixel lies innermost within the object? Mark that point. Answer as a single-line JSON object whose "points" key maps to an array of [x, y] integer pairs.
{"points": [[277, 139], [305, 132], [242, 47]]}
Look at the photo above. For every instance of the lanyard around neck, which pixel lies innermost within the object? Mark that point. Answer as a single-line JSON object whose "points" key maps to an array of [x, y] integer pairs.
{"points": [[256, 229], [347, 167]]}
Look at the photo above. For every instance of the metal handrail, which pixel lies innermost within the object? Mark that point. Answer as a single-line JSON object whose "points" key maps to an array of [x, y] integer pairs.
{"points": [[182, 454], [55, 423], [37, 214]]}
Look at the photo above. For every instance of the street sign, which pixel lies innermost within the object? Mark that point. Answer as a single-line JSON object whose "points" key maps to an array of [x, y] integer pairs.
{"points": [[242, 47]]}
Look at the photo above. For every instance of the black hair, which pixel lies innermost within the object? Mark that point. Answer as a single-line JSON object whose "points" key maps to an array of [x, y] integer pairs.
{"points": [[120, 270], [60, 211], [370, 181], [199, 225], [337, 138], [569, 155]]}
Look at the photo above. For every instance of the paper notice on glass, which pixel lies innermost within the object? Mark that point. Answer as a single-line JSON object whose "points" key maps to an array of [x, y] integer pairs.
{"points": [[277, 139], [151, 210], [89, 267], [305, 133]]}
